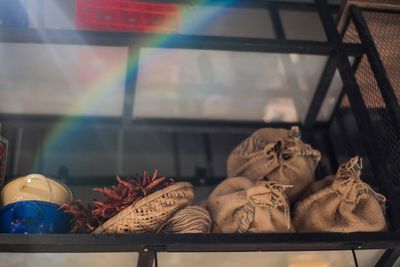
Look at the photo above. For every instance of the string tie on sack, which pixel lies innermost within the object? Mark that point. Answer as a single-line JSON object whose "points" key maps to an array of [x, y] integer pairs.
{"points": [[350, 185], [265, 194]]}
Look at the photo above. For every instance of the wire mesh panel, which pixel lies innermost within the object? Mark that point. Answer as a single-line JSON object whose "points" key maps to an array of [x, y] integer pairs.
{"points": [[385, 31], [346, 137]]}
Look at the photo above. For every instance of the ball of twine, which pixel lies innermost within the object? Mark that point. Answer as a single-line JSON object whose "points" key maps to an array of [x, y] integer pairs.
{"points": [[192, 219]]}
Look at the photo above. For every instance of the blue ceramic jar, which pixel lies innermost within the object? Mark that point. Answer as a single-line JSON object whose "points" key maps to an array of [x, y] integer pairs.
{"points": [[33, 217]]}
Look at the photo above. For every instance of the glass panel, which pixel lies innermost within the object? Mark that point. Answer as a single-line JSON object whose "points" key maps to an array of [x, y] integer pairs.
{"points": [[193, 84], [397, 263], [222, 21], [71, 150], [302, 25], [262, 259], [329, 103], [366, 258], [331, 98], [62, 79], [68, 259], [51, 14]]}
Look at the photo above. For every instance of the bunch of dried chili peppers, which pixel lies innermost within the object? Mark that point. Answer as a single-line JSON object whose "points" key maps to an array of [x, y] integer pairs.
{"points": [[88, 216]]}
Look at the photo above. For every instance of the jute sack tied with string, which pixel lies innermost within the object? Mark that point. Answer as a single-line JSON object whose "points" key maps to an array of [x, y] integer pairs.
{"points": [[241, 205], [341, 204], [275, 155]]}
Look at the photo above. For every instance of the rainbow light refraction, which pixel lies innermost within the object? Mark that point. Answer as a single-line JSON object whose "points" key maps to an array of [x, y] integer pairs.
{"points": [[68, 127]]}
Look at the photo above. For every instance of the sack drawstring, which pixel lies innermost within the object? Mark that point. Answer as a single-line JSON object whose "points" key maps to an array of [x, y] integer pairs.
{"points": [[294, 147], [284, 149], [265, 194], [352, 187]]}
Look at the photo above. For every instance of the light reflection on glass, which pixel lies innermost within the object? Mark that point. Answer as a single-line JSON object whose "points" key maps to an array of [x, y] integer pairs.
{"points": [[223, 85]]}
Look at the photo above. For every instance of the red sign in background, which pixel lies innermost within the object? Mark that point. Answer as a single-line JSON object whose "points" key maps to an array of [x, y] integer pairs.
{"points": [[127, 16]]}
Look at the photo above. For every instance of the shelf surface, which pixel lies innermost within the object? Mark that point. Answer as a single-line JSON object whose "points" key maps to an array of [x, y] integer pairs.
{"points": [[196, 242]]}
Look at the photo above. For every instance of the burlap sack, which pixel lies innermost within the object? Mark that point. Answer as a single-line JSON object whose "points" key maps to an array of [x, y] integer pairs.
{"points": [[341, 204], [241, 205], [275, 155]]}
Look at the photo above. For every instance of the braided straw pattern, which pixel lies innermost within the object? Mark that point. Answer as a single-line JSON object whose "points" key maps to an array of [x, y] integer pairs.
{"points": [[192, 219], [149, 213]]}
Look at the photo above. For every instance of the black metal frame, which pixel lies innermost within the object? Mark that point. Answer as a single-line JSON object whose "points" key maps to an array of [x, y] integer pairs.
{"points": [[149, 244], [124, 39], [368, 133], [389, 257], [85, 243]]}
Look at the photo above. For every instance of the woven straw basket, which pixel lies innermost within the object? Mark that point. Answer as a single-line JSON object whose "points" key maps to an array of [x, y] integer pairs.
{"points": [[149, 213]]}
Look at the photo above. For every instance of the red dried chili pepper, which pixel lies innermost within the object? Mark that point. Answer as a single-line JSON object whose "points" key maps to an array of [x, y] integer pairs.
{"points": [[88, 216]]}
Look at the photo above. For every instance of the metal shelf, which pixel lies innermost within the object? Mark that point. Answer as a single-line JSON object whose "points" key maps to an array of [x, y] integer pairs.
{"points": [[150, 124], [196, 242], [173, 41]]}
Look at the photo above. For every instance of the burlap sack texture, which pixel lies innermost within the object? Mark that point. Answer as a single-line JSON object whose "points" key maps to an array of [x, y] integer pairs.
{"points": [[239, 205], [341, 204], [275, 155]]}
